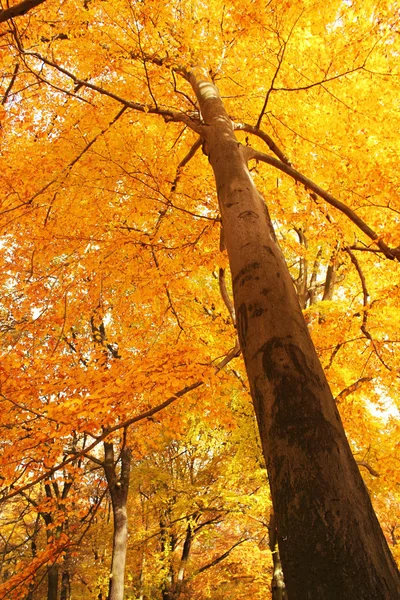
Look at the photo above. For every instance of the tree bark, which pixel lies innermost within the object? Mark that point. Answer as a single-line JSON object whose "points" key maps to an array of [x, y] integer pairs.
{"points": [[330, 541], [119, 489]]}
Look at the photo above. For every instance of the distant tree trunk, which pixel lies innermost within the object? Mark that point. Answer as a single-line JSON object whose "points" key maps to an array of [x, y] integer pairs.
{"points": [[330, 541], [173, 592], [52, 582], [167, 549], [119, 488], [65, 586], [278, 583], [31, 587]]}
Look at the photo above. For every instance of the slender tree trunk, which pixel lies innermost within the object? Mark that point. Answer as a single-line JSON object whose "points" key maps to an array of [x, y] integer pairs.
{"points": [[120, 538], [330, 541], [52, 582], [65, 586], [167, 549], [177, 588], [119, 489]]}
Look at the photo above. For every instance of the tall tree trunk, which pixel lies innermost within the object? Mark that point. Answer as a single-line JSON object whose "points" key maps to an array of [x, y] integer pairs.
{"points": [[119, 488], [330, 541]]}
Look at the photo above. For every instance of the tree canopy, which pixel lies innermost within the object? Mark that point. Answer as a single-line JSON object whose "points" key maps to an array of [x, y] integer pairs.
{"points": [[116, 314]]}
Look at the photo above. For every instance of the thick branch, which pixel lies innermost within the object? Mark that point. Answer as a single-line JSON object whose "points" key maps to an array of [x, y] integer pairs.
{"points": [[18, 9]]}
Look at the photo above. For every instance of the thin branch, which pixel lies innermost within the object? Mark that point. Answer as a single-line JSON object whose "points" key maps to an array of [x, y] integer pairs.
{"points": [[366, 249], [234, 353], [68, 168], [250, 153], [10, 85], [311, 85], [225, 296], [145, 415], [185, 161], [24, 408], [362, 463], [219, 558], [365, 305], [351, 389], [103, 436], [265, 137], [144, 63], [171, 306], [281, 56], [168, 115]]}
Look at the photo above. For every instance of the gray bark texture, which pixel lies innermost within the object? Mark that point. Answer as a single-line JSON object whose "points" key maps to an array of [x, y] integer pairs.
{"points": [[330, 542]]}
